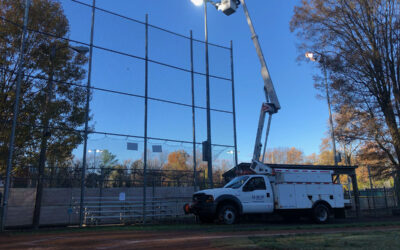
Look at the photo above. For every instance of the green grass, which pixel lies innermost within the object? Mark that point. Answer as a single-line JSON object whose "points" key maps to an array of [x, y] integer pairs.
{"points": [[365, 240], [203, 228]]}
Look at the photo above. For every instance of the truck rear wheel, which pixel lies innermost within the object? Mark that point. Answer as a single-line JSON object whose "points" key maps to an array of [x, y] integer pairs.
{"points": [[320, 213], [227, 214]]}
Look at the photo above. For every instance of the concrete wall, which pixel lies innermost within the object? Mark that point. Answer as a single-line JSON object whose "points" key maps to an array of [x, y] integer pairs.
{"points": [[61, 205]]}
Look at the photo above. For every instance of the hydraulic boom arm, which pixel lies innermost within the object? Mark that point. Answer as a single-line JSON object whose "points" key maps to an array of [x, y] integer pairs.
{"points": [[272, 105]]}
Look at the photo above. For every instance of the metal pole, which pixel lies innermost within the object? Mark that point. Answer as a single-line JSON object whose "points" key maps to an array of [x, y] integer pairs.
{"points": [[193, 112], [386, 201], [83, 176], [356, 193], [269, 89], [15, 116], [233, 106], [330, 112], [209, 161], [145, 117], [43, 144], [266, 137], [371, 188]]}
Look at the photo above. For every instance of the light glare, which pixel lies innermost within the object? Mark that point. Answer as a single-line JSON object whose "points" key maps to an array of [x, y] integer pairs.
{"points": [[310, 56], [197, 2]]}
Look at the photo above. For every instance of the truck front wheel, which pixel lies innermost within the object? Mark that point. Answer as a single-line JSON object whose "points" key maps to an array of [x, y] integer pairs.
{"points": [[227, 214], [320, 213]]}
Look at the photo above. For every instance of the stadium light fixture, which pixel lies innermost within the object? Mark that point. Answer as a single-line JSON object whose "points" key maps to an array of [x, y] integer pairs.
{"points": [[197, 2]]}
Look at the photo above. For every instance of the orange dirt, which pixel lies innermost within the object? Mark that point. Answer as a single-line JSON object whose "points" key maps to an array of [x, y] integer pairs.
{"points": [[149, 240]]}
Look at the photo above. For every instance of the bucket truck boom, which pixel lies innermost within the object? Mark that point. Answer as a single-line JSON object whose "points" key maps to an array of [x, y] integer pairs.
{"points": [[271, 106]]}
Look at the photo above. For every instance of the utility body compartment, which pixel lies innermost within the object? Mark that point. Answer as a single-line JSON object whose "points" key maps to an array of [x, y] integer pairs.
{"points": [[301, 189]]}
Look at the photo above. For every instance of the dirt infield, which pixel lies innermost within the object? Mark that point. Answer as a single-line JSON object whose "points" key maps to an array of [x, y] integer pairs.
{"points": [[173, 239]]}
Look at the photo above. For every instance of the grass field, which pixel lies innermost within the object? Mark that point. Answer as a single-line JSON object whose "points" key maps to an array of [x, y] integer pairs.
{"points": [[381, 233], [364, 240]]}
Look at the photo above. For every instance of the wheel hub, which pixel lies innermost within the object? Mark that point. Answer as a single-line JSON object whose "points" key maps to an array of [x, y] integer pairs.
{"points": [[229, 216], [322, 215]]}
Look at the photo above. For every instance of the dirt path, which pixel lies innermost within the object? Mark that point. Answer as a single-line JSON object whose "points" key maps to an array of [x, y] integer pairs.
{"points": [[151, 240]]}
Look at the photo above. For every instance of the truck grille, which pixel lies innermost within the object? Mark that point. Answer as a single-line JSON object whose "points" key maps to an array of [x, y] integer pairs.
{"points": [[200, 197]]}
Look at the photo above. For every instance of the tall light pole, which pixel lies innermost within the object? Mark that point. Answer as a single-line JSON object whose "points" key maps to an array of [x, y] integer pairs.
{"points": [[321, 58], [94, 151], [15, 117], [208, 148]]}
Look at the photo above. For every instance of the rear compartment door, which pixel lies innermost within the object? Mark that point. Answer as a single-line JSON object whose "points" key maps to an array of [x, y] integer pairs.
{"points": [[285, 196]]}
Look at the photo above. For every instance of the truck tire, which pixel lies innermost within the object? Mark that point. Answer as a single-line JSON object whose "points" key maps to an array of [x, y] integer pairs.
{"points": [[227, 214], [320, 213]]}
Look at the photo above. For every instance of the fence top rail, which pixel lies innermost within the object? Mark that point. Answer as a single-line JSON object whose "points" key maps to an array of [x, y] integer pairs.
{"points": [[91, 198], [150, 25], [116, 51]]}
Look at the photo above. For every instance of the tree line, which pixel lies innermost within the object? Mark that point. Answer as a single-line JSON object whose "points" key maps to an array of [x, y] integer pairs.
{"points": [[164, 169], [359, 42], [46, 99]]}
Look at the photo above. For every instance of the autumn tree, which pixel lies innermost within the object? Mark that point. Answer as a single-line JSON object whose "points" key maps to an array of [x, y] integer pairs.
{"points": [[370, 154], [119, 176], [284, 156], [359, 39], [349, 128], [311, 159], [136, 172], [66, 111], [219, 168], [177, 167]]}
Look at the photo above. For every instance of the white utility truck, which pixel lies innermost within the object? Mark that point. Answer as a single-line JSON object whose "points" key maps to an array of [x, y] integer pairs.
{"points": [[289, 192]]}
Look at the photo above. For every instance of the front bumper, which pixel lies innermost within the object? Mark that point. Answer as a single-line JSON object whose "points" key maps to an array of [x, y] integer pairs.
{"points": [[200, 208]]}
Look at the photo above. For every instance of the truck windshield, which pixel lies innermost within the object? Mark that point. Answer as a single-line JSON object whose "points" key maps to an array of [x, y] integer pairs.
{"points": [[237, 182]]}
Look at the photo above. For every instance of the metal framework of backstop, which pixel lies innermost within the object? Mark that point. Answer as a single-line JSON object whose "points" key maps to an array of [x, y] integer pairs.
{"points": [[88, 173]]}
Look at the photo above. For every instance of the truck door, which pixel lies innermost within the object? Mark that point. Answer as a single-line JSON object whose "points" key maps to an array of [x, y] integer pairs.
{"points": [[255, 197]]}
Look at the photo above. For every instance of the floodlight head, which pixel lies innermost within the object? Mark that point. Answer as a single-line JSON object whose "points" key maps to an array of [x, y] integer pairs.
{"points": [[311, 56], [80, 49], [228, 7], [197, 2]]}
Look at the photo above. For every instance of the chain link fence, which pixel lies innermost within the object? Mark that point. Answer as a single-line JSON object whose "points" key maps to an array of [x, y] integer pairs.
{"points": [[106, 114]]}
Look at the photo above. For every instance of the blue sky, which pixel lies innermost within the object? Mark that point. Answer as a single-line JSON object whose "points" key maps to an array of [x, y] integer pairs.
{"points": [[301, 122]]}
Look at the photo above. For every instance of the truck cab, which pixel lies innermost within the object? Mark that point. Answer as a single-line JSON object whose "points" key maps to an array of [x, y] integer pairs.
{"points": [[243, 195]]}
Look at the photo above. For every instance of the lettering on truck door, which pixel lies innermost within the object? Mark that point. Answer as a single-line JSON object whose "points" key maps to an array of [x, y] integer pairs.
{"points": [[255, 196]]}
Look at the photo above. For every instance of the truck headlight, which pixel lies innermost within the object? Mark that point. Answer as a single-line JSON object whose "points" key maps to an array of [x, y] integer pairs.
{"points": [[209, 199]]}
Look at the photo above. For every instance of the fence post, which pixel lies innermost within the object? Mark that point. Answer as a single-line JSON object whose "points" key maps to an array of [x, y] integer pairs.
{"points": [[233, 105], [193, 112], [88, 86], [15, 116], [371, 189], [145, 116], [386, 202], [356, 193]]}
